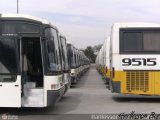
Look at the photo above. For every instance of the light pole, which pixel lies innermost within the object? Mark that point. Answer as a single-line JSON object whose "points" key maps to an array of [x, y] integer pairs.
{"points": [[17, 6]]}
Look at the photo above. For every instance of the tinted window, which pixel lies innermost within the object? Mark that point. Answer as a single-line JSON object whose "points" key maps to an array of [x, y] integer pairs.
{"points": [[51, 56], [71, 56], [57, 49], [52, 62], [151, 41], [9, 28], [8, 56], [132, 41], [76, 58], [64, 53], [52, 50], [73, 60], [14, 27], [139, 41]]}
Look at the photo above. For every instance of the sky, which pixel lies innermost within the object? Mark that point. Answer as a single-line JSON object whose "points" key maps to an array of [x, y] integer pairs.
{"points": [[86, 22]]}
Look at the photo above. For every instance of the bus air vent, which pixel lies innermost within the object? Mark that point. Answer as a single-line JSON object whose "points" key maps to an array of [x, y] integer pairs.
{"points": [[137, 81]]}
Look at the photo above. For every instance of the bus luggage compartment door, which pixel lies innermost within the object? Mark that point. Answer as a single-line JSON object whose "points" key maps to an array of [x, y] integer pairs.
{"points": [[10, 92]]}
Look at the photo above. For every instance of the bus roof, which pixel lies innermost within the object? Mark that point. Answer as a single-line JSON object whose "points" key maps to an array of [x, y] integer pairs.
{"points": [[11, 15], [63, 36], [135, 24]]}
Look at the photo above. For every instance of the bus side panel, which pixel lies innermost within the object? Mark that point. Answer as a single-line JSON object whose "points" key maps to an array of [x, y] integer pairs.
{"points": [[107, 70], [11, 93], [116, 74]]}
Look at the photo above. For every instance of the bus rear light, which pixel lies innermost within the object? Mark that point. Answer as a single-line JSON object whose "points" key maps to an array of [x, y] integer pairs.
{"points": [[113, 72], [106, 69]]}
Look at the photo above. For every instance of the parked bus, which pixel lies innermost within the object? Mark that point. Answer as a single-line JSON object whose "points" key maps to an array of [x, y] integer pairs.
{"points": [[78, 63], [72, 63], [135, 58], [84, 63], [100, 61], [103, 60], [106, 58], [65, 66], [30, 68], [97, 61]]}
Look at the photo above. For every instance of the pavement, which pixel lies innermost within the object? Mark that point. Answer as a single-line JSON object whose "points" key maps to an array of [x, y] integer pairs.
{"points": [[85, 99]]}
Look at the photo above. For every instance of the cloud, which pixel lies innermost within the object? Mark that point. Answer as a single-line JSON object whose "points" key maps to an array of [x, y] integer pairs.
{"points": [[82, 36], [76, 19], [86, 22]]}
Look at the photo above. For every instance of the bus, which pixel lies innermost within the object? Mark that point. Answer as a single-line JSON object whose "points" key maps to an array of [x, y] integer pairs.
{"points": [[135, 58], [84, 63], [72, 58], [97, 61], [103, 60], [106, 58], [78, 63], [65, 66], [30, 67]]}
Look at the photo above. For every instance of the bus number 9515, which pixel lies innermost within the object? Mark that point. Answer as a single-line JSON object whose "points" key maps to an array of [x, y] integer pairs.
{"points": [[139, 61]]}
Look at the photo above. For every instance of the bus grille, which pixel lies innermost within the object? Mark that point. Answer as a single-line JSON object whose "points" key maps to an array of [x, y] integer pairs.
{"points": [[137, 81]]}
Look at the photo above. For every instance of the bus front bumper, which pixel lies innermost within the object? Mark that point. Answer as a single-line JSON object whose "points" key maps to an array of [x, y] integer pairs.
{"points": [[54, 95]]}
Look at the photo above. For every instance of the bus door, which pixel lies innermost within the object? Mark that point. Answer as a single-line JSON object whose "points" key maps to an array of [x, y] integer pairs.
{"points": [[10, 79]]}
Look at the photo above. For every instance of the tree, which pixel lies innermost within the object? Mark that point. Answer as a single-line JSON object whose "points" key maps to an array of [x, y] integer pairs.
{"points": [[89, 52], [96, 48]]}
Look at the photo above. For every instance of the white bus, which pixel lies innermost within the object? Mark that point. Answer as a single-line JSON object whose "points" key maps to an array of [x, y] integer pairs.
{"points": [[30, 68], [103, 60], [100, 61], [135, 58], [84, 63], [72, 58], [107, 60], [65, 66], [78, 62]]}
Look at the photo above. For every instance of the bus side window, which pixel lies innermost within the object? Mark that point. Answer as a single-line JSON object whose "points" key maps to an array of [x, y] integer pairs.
{"points": [[51, 52]]}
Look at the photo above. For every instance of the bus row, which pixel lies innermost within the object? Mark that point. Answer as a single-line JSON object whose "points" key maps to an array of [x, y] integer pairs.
{"points": [[130, 59], [37, 66]]}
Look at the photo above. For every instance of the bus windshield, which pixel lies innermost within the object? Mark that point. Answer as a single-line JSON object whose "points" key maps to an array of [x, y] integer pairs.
{"points": [[73, 64], [8, 56], [71, 58], [65, 54]]}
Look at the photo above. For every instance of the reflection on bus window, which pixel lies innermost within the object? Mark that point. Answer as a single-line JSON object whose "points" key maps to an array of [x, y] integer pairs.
{"points": [[55, 36], [8, 57], [51, 56], [139, 41], [52, 50], [151, 41]]}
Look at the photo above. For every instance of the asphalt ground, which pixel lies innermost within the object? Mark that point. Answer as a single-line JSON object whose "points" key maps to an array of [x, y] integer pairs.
{"points": [[86, 99]]}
